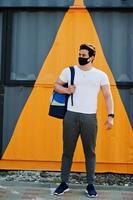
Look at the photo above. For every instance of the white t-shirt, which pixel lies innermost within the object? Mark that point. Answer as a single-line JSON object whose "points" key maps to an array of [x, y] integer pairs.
{"points": [[88, 85]]}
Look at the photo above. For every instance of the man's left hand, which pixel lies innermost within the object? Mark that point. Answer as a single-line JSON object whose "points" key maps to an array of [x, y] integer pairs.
{"points": [[109, 123]]}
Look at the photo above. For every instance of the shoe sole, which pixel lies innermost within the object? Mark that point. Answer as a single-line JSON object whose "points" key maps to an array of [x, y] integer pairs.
{"points": [[91, 196], [59, 194]]}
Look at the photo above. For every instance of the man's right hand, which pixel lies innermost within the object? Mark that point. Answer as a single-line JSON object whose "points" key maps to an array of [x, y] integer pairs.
{"points": [[70, 89]]}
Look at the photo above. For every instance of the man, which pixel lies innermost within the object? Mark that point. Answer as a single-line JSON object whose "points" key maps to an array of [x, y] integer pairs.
{"points": [[80, 119]]}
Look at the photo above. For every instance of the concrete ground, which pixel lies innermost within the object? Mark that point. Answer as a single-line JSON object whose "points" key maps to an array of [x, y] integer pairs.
{"points": [[28, 191]]}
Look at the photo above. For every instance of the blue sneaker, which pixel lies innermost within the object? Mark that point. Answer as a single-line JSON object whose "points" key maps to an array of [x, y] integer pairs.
{"points": [[61, 189], [90, 190]]}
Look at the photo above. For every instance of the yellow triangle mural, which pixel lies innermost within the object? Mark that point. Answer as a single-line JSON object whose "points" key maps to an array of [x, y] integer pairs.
{"points": [[38, 137]]}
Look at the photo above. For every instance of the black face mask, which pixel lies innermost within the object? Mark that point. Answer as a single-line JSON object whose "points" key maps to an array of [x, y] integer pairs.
{"points": [[83, 61]]}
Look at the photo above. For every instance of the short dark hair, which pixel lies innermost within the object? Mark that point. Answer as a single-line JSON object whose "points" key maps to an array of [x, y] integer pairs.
{"points": [[91, 49]]}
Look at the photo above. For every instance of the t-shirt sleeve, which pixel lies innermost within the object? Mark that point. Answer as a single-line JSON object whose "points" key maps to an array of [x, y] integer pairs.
{"points": [[104, 79], [64, 76]]}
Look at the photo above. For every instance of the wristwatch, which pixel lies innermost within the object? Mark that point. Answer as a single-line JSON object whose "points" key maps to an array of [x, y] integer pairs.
{"points": [[111, 115]]}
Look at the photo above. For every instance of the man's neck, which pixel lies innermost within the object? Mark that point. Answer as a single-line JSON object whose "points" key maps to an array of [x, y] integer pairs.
{"points": [[86, 67]]}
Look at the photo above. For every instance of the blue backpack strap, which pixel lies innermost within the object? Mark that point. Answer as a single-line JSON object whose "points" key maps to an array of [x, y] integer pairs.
{"points": [[72, 80]]}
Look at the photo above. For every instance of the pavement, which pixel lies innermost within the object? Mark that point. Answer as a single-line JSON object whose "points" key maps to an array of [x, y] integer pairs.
{"points": [[31, 191]]}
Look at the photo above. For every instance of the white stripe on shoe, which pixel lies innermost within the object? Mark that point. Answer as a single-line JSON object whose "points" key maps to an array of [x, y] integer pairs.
{"points": [[55, 193], [91, 196]]}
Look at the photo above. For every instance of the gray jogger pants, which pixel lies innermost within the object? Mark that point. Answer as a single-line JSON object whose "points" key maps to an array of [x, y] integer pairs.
{"points": [[85, 125]]}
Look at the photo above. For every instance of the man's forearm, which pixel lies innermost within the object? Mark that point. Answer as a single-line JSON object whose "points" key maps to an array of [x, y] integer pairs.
{"points": [[61, 89], [109, 104]]}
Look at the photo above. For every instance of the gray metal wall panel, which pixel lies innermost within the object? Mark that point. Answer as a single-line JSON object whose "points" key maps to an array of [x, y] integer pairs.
{"points": [[36, 3], [108, 3], [32, 37], [127, 97], [14, 101], [0, 41], [65, 3], [115, 31], [1, 117]]}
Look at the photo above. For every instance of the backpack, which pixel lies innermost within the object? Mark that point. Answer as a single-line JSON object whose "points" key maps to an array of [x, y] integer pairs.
{"points": [[58, 104]]}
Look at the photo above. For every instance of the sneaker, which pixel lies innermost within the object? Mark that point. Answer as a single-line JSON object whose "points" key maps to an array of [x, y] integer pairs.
{"points": [[61, 189], [90, 190]]}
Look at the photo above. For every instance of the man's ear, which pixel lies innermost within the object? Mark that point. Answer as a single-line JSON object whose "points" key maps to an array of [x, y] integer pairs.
{"points": [[92, 58]]}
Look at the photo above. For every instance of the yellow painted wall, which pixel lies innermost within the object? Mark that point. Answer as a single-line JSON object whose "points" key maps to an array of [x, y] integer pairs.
{"points": [[37, 139]]}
